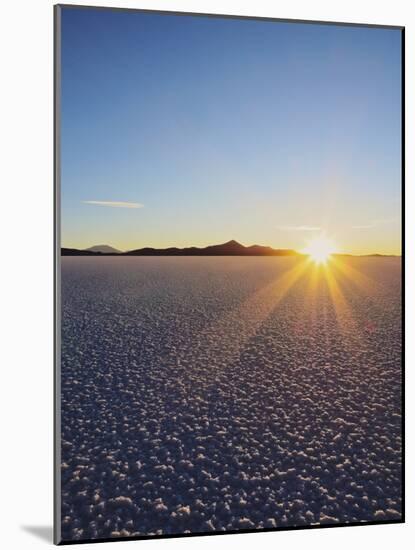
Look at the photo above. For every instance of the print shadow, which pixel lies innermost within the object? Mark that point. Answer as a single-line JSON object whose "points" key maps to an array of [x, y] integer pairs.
{"points": [[43, 532]]}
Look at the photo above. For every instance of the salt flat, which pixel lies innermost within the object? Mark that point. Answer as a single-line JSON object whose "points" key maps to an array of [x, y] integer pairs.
{"points": [[214, 394]]}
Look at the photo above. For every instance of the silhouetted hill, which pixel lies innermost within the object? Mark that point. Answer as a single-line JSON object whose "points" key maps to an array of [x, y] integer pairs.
{"points": [[104, 248], [340, 255], [231, 248], [76, 252]]}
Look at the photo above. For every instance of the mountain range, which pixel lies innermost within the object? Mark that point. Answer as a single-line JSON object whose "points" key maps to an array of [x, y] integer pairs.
{"points": [[231, 248]]}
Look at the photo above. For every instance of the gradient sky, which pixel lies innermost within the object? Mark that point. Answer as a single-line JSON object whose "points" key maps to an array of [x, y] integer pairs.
{"points": [[183, 130]]}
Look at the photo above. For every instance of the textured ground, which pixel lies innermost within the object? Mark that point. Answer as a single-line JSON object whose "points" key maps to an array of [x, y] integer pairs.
{"points": [[213, 394]]}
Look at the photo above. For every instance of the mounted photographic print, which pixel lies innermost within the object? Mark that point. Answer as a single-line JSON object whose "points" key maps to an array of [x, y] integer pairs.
{"points": [[229, 351]]}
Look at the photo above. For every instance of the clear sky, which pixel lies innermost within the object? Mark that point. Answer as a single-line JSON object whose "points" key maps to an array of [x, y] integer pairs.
{"points": [[184, 130]]}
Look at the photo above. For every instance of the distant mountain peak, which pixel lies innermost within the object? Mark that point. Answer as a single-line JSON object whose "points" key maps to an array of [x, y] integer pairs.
{"points": [[233, 243], [103, 248]]}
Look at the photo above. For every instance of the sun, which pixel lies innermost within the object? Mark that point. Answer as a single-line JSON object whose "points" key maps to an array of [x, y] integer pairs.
{"points": [[320, 249]]}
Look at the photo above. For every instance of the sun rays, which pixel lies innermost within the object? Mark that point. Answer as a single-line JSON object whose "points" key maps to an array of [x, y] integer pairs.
{"points": [[346, 321], [239, 325], [319, 284]]}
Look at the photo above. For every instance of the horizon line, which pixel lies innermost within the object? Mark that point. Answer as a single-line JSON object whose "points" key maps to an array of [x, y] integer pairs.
{"points": [[234, 242]]}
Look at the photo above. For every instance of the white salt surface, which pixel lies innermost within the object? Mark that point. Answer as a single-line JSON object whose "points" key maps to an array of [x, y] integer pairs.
{"points": [[215, 394]]}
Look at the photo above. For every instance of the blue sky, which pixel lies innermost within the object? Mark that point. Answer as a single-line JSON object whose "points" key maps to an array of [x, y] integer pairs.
{"points": [[185, 130]]}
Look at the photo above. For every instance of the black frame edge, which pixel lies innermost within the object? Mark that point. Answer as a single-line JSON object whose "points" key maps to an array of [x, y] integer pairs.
{"points": [[403, 268]]}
